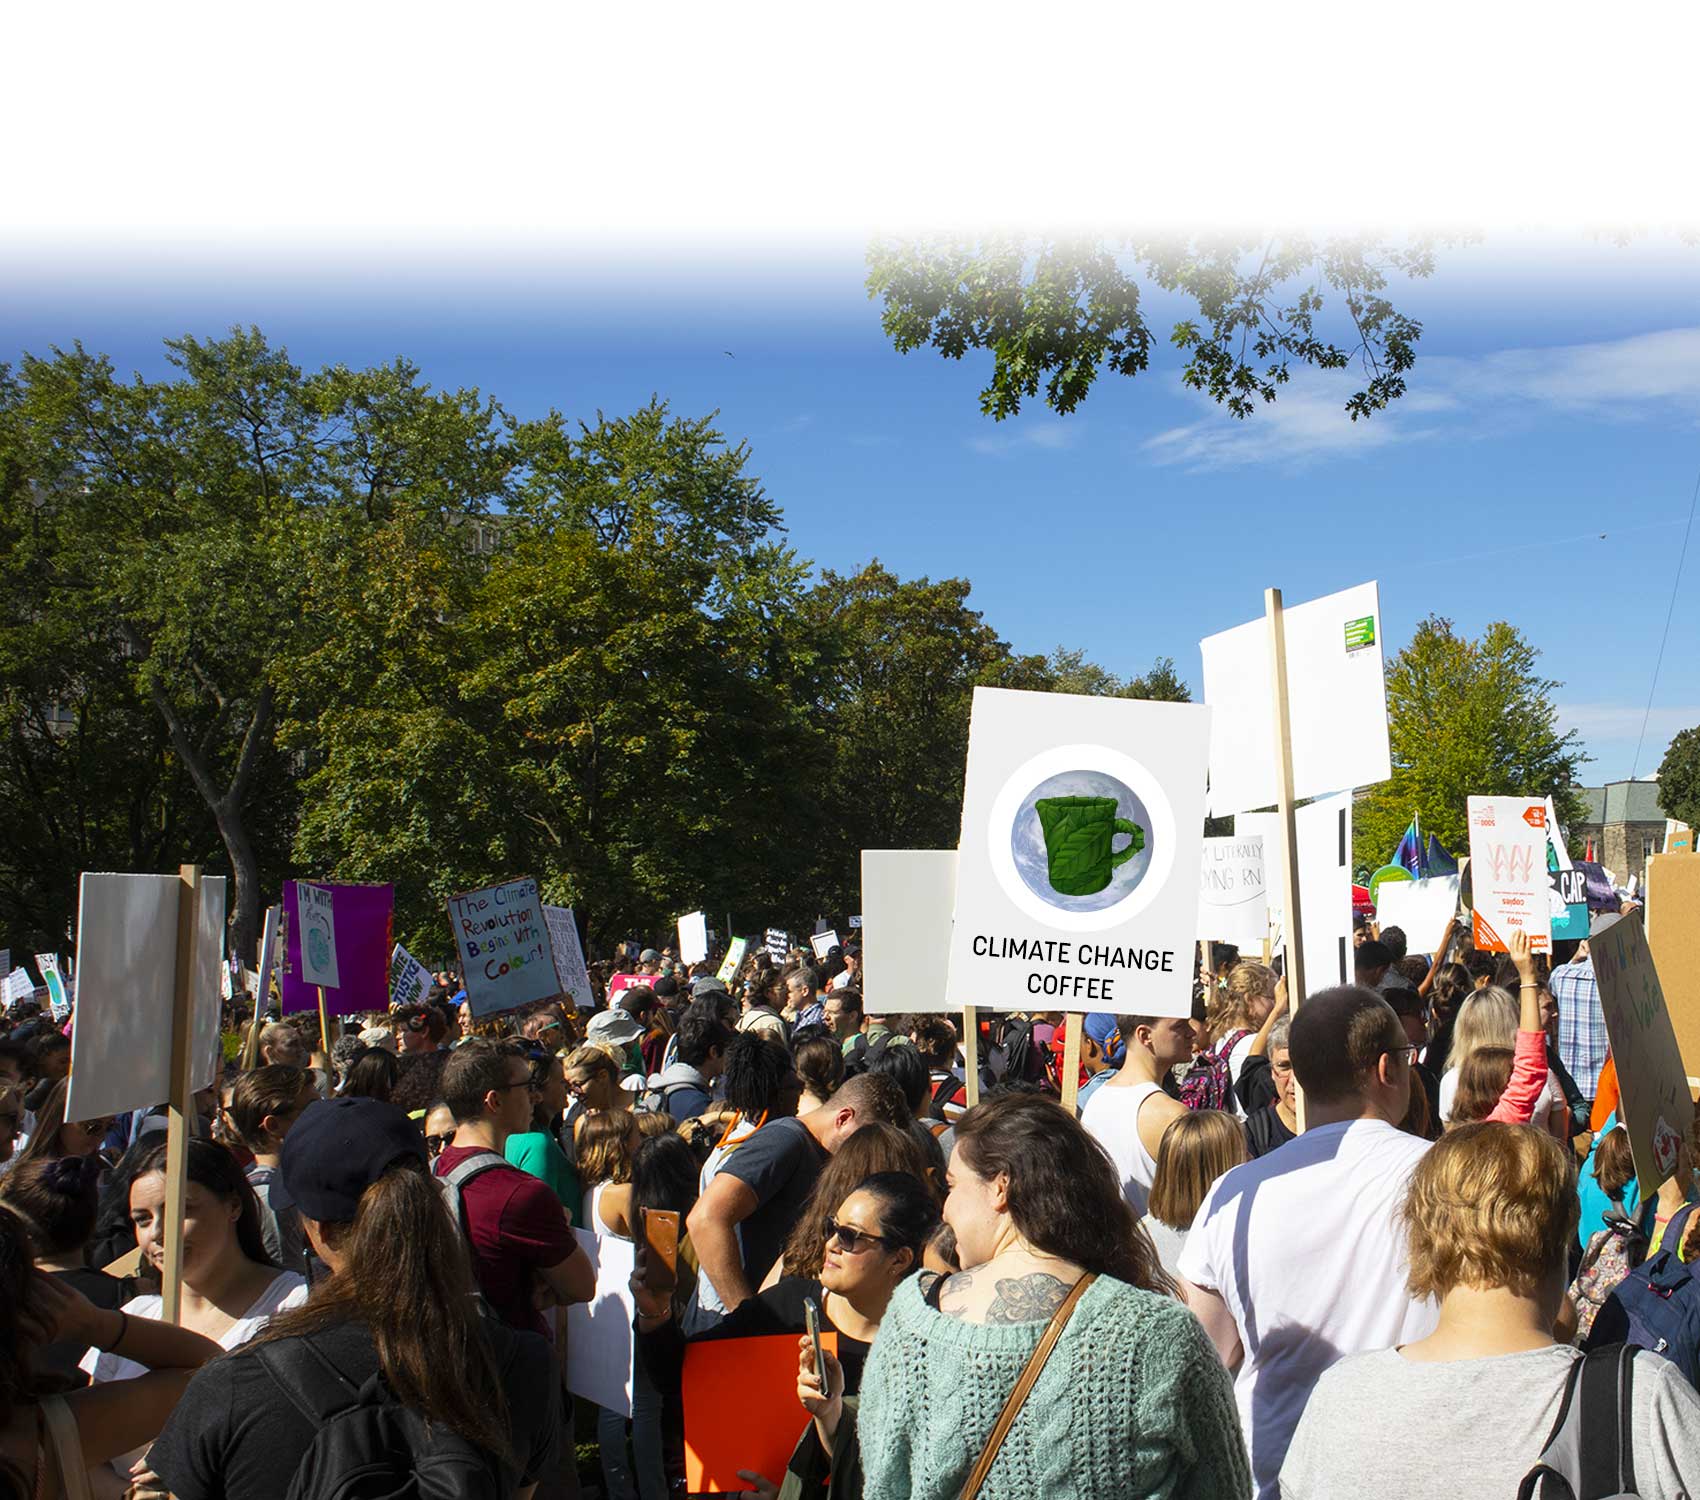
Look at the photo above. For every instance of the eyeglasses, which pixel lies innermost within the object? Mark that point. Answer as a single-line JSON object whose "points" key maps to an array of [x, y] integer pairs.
{"points": [[523, 1083], [437, 1144], [851, 1239], [1409, 1053]]}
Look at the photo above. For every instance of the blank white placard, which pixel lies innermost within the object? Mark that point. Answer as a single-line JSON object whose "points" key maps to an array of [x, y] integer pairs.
{"points": [[907, 899]]}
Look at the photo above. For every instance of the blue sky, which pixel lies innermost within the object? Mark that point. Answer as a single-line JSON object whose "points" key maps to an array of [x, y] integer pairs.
{"points": [[1554, 399]]}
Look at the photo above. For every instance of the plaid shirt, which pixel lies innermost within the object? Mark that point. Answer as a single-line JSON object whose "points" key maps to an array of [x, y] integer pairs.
{"points": [[1582, 1041]]}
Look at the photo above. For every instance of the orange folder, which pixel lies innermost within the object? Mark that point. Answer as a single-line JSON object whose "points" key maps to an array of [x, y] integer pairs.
{"points": [[741, 1409]]}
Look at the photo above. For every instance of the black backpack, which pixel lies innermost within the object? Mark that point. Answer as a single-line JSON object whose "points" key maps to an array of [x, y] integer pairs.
{"points": [[1587, 1454], [856, 1060], [1017, 1058], [366, 1444]]}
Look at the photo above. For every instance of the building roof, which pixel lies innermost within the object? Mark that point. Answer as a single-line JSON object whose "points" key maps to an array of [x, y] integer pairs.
{"points": [[1623, 802]]}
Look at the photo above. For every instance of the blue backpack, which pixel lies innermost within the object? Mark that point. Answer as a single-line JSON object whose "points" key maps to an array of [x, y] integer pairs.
{"points": [[1656, 1306]]}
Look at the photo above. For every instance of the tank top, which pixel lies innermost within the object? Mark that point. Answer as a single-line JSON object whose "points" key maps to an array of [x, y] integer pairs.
{"points": [[1111, 1117]]}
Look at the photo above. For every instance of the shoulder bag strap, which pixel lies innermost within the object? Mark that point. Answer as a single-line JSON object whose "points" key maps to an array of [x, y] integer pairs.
{"points": [[1024, 1387], [67, 1447]]}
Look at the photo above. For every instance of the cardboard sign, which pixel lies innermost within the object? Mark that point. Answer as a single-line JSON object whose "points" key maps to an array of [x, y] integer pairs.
{"points": [[729, 966], [823, 943], [364, 917], [127, 943], [410, 980], [1508, 872], [1421, 909], [505, 956], [1233, 894], [911, 894], [1336, 696], [316, 915], [1077, 875], [1655, 1106], [570, 971], [1673, 897], [19, 986], [741, 1409], [599, 1332], [1325, 890], [693, 938], [777, 942]]}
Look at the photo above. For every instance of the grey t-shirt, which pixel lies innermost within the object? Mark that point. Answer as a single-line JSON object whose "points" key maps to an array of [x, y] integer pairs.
{"points": [[1380, 1424]]}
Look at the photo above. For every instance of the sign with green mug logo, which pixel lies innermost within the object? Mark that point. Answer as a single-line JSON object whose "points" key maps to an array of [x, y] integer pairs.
{"points": [[1079, 834]]}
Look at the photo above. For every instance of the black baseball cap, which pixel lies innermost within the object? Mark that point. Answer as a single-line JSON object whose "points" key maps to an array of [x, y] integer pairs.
{"points": [[339, 1148]]}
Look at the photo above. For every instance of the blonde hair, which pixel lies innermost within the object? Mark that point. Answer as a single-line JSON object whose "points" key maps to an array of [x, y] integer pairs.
{"points": [[604, 1147], [1490, 1206], [1487, 1019], [1230, 1005], [591, 1058], [1196, 1149]]}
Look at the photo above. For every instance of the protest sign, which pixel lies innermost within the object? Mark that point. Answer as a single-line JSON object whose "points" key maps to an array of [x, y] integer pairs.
{"points": [[54, 983], [599, 1332], [363, 916], [1421, 909], [739, 1398], [316, 913], [906, 952], [1673, 897], [1233, 895], [1336, 694], [127, 940], [5, 960], [410, 980], [570, 971], [1325, 890], [1077, 875], [777, 942], [1655, 1104], [19, 986], [1508, 872], [855, 922], [505, 955], [270, 949], [693, 938], [824, 942], [735, 951]]}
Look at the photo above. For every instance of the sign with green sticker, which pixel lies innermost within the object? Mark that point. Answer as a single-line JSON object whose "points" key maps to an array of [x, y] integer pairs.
{"points": [[1360, 633]]}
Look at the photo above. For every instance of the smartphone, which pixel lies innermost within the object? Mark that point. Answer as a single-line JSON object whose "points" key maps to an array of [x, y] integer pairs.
{"points": [[661, 1239], [811, 1317]]}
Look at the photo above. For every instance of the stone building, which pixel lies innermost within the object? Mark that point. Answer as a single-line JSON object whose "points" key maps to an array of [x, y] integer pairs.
{"points": [[1626, 824]]}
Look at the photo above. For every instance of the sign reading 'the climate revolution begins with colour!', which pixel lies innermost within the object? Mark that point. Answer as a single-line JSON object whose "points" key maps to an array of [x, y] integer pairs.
{"points": [[505, 954], [1077, 878]]}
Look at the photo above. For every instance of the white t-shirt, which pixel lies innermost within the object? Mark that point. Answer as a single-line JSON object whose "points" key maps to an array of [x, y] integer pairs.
{"points": [[1111, 1118], [1237, 1054], [1553, 1096], [1304, 1247], [286, 1290]]}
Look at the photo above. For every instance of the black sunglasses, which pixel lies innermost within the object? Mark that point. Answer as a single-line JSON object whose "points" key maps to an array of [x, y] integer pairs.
{"points": [[437, 1144], [852, 1239]]}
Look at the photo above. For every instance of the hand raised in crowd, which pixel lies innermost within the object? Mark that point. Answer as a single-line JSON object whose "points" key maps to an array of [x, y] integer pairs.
{"points": [[652, 1285], [826, 1407], [1523, 956]]}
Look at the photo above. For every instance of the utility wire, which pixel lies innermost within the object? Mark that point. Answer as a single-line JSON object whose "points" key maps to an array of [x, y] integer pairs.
{"points": [[1658, 661]]}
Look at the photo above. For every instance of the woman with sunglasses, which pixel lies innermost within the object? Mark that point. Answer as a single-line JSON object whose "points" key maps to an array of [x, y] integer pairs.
{"points": [[56, 1136]]}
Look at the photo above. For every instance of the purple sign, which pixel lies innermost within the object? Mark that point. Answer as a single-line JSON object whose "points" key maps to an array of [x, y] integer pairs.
{"points": [[362, 914]]}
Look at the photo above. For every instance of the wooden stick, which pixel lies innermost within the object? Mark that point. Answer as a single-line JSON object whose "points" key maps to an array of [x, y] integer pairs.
{"points": [[971, 1055], [1076, 1022], [181, 1098], [1292, 937], [324, 1030]]}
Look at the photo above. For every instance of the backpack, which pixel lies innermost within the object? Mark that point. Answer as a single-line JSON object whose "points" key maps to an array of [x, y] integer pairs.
{"points": [[655, 1100], [366, 1444], [950, 1088], [1016, 1058], [452, 1182], [1585, 1457], [1612, 1253], [1657, 1306], [1209, 1084], [863, 1052]]}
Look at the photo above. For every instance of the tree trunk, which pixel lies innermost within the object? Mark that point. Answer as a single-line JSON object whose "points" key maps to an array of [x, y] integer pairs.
{"points": [[242, 916]]}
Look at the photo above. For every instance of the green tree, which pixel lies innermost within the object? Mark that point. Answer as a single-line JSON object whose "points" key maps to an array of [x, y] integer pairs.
{"points": [[1068, 671], [1679, 778], [1465, 718], [1055, 312]]}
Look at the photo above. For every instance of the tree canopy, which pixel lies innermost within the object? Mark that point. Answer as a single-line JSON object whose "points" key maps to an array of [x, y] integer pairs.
{"points": [[1679, 778]]}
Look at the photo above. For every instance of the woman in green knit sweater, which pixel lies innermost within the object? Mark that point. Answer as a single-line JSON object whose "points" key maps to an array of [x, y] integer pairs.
{"points": [[1133, 1401]]}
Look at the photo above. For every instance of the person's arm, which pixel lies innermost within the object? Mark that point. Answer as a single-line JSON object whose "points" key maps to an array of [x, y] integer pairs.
{"points": [[1528, 1083], [1213, 1312], [615, 1209], [1439, 956], [713, 1226], [1260, 1042], [824, 1404], [572, 1279], [1156, 1114]]}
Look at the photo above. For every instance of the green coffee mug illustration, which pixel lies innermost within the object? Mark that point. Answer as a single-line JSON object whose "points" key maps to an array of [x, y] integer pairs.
{"points": [[1079, 832]]}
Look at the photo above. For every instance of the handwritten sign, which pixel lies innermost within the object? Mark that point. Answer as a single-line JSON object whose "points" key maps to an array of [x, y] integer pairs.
{"points": [[1233, 893], [19, 986], [1656, 1107], [1508, 872], [505, 954], [735, 951], [410, 980], [777, 942], [570, 971], [318, 935]]}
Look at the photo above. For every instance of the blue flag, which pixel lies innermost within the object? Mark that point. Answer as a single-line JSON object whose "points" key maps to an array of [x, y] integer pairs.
{"points": [[1410, 851], [1438, 860]]}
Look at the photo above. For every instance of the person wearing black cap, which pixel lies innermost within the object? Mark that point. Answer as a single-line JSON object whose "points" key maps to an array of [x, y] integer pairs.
{"points": [[398, 1324]]}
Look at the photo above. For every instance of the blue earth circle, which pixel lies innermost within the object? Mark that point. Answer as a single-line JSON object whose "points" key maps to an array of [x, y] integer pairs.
{"points": [[1027, 840]]}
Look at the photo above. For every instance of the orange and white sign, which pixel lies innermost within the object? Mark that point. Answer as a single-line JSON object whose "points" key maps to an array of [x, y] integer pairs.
{"points": [[1508, 867]]}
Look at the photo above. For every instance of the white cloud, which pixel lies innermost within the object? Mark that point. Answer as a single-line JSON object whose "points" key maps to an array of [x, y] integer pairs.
{"points": [[1039, 430], [1622, 721]]}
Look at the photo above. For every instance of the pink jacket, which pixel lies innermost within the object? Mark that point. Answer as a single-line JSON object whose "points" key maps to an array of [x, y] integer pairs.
{"points": [[1528, 1080]]}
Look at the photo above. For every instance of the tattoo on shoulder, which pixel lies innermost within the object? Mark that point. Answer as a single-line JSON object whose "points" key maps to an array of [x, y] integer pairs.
{"points": [[1027, 1299], [954, 1294]]}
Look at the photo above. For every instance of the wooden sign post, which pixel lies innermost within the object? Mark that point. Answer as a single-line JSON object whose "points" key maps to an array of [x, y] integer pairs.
{"points": [[971, 1055], [1076, 1022], [1292, 937], [180, 1102]]}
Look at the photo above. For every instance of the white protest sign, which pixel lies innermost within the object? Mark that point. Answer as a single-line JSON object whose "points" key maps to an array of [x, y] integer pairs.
{"points": [[855, 922], [777, 942], [127, 981], [823, 943], [505, 954], [599, 1332], [693, 938], [1325, 890], [54, 983], [1233, 892], [1421, 909], [1508, 871], [318, 936], [735, 951], [410, 980], [19, 986], [1077, 876], [906, 951], [1336, 695], [1655, 1107], [570, 971]]}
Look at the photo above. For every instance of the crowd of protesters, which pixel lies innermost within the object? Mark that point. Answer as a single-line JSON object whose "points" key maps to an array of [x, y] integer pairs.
{"points": [[1386, 1241]]}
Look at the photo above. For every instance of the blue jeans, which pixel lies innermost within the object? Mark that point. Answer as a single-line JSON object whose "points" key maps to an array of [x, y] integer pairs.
{"points": [[617, 1470]]}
